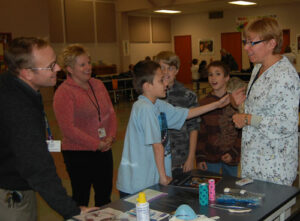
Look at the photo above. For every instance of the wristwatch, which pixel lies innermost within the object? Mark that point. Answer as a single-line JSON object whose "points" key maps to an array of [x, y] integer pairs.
{"points": [[246, 119]]}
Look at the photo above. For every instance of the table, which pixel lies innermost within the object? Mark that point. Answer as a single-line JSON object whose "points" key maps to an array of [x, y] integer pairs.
{"points": [[108, 82], [278, 198]]}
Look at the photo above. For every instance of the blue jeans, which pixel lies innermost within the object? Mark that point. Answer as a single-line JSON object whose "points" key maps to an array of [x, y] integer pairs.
{"points": [[227, 170]]}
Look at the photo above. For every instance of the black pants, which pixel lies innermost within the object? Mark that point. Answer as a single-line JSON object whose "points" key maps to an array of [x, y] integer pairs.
{"points": [[87, 168], [123, 194]]}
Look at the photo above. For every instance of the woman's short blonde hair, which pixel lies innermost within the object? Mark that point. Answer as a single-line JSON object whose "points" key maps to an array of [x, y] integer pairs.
{"points": [[267, 29], [69, 55]]}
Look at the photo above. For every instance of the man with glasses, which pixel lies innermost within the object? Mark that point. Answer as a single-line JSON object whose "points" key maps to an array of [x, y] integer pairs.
{"points": [[26, 165]]}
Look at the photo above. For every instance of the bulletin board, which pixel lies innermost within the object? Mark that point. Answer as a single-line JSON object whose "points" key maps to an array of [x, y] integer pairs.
{"points": [[206, 46]]}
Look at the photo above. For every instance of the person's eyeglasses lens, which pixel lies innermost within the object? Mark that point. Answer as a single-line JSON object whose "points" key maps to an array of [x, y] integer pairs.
{"points": [[252, 43], [51, 67]]}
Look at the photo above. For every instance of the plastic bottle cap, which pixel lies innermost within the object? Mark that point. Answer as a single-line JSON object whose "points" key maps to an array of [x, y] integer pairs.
{"points": [[141, 198]]}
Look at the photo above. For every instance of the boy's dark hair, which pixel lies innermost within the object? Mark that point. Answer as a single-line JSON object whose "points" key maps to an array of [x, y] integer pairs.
{"points": [[143, 72], [195, 61], [221, 65]]}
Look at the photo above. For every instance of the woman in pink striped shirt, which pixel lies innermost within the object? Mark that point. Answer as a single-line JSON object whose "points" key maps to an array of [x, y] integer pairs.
{"points": [[88, 123]]}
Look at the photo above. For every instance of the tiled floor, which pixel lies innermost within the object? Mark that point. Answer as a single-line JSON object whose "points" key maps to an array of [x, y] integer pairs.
{"points": [[123, 108]]}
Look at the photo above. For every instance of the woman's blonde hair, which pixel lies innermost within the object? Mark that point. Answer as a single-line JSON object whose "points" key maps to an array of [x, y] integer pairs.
{"points": [[69, 55], [267, 29]]}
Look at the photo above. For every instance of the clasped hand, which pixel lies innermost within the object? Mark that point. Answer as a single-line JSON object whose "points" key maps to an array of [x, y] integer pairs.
{"points": [[239, 120], [105, 144]]}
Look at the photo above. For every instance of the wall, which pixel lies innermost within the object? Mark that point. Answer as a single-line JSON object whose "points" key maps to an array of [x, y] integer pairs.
{"points": [[97, 32], [106, 52], [31, 18], [34, 22], [139, 51], [24, 18], [200, 27]]}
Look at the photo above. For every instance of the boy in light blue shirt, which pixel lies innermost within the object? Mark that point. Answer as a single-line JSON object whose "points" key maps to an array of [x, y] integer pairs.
{"points": [[145, 162]]}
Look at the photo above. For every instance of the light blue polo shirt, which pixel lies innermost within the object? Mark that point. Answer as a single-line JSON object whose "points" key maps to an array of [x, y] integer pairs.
{"points": [[138, 169]]}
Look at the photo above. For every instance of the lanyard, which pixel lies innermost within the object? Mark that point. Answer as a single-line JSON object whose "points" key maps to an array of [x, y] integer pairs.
{"points": [[256, 77], [164, 132], [96, 105], [50, 137]]}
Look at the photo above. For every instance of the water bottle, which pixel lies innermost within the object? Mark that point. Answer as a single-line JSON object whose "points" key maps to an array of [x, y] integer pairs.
{"points": [[142, 208]]}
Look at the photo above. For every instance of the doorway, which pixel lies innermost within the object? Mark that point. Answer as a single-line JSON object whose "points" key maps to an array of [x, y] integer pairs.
{"points": [[286, 39], [232, 42], [183, 48]]}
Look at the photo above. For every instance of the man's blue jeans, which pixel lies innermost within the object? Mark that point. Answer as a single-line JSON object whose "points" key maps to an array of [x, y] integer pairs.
{"points": [[227, 170]]}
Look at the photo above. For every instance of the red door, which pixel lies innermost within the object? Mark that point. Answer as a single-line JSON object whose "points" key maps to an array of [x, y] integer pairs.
{"points": [[183, 48], [232, 42], [286, 39]]}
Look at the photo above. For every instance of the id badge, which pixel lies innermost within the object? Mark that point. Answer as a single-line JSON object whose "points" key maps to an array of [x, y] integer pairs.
{"points": [[101, 132], [54, 145]]}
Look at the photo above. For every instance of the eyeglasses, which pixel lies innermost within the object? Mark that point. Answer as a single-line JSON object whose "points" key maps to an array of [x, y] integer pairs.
{"points": [[50, 67], [169, 68], [252, 43]]}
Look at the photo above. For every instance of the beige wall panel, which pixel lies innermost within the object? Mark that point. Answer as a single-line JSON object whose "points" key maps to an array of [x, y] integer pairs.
{"points": [[79, 21], [106, 22], [139, 29], [161, 30], [24, 18], [55, 21]]}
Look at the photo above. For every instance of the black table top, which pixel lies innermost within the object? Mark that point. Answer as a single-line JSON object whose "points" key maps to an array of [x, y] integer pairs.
{"points": [[275, 197]]}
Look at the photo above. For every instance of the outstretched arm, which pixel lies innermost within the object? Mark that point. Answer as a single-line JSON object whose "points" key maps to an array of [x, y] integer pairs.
{"points": [[196, 111]]}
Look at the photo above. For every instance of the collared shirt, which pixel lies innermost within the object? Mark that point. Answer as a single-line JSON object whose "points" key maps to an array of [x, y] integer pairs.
{"points": [[138, 168]]}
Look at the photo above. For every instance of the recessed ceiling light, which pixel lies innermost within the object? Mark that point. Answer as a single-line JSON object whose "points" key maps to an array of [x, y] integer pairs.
{"points": [[242, 3], [167, 11]]}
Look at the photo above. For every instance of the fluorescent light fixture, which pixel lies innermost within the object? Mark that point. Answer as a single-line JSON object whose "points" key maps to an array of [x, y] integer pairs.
{"points": [[242, 3], [167, 11]]}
